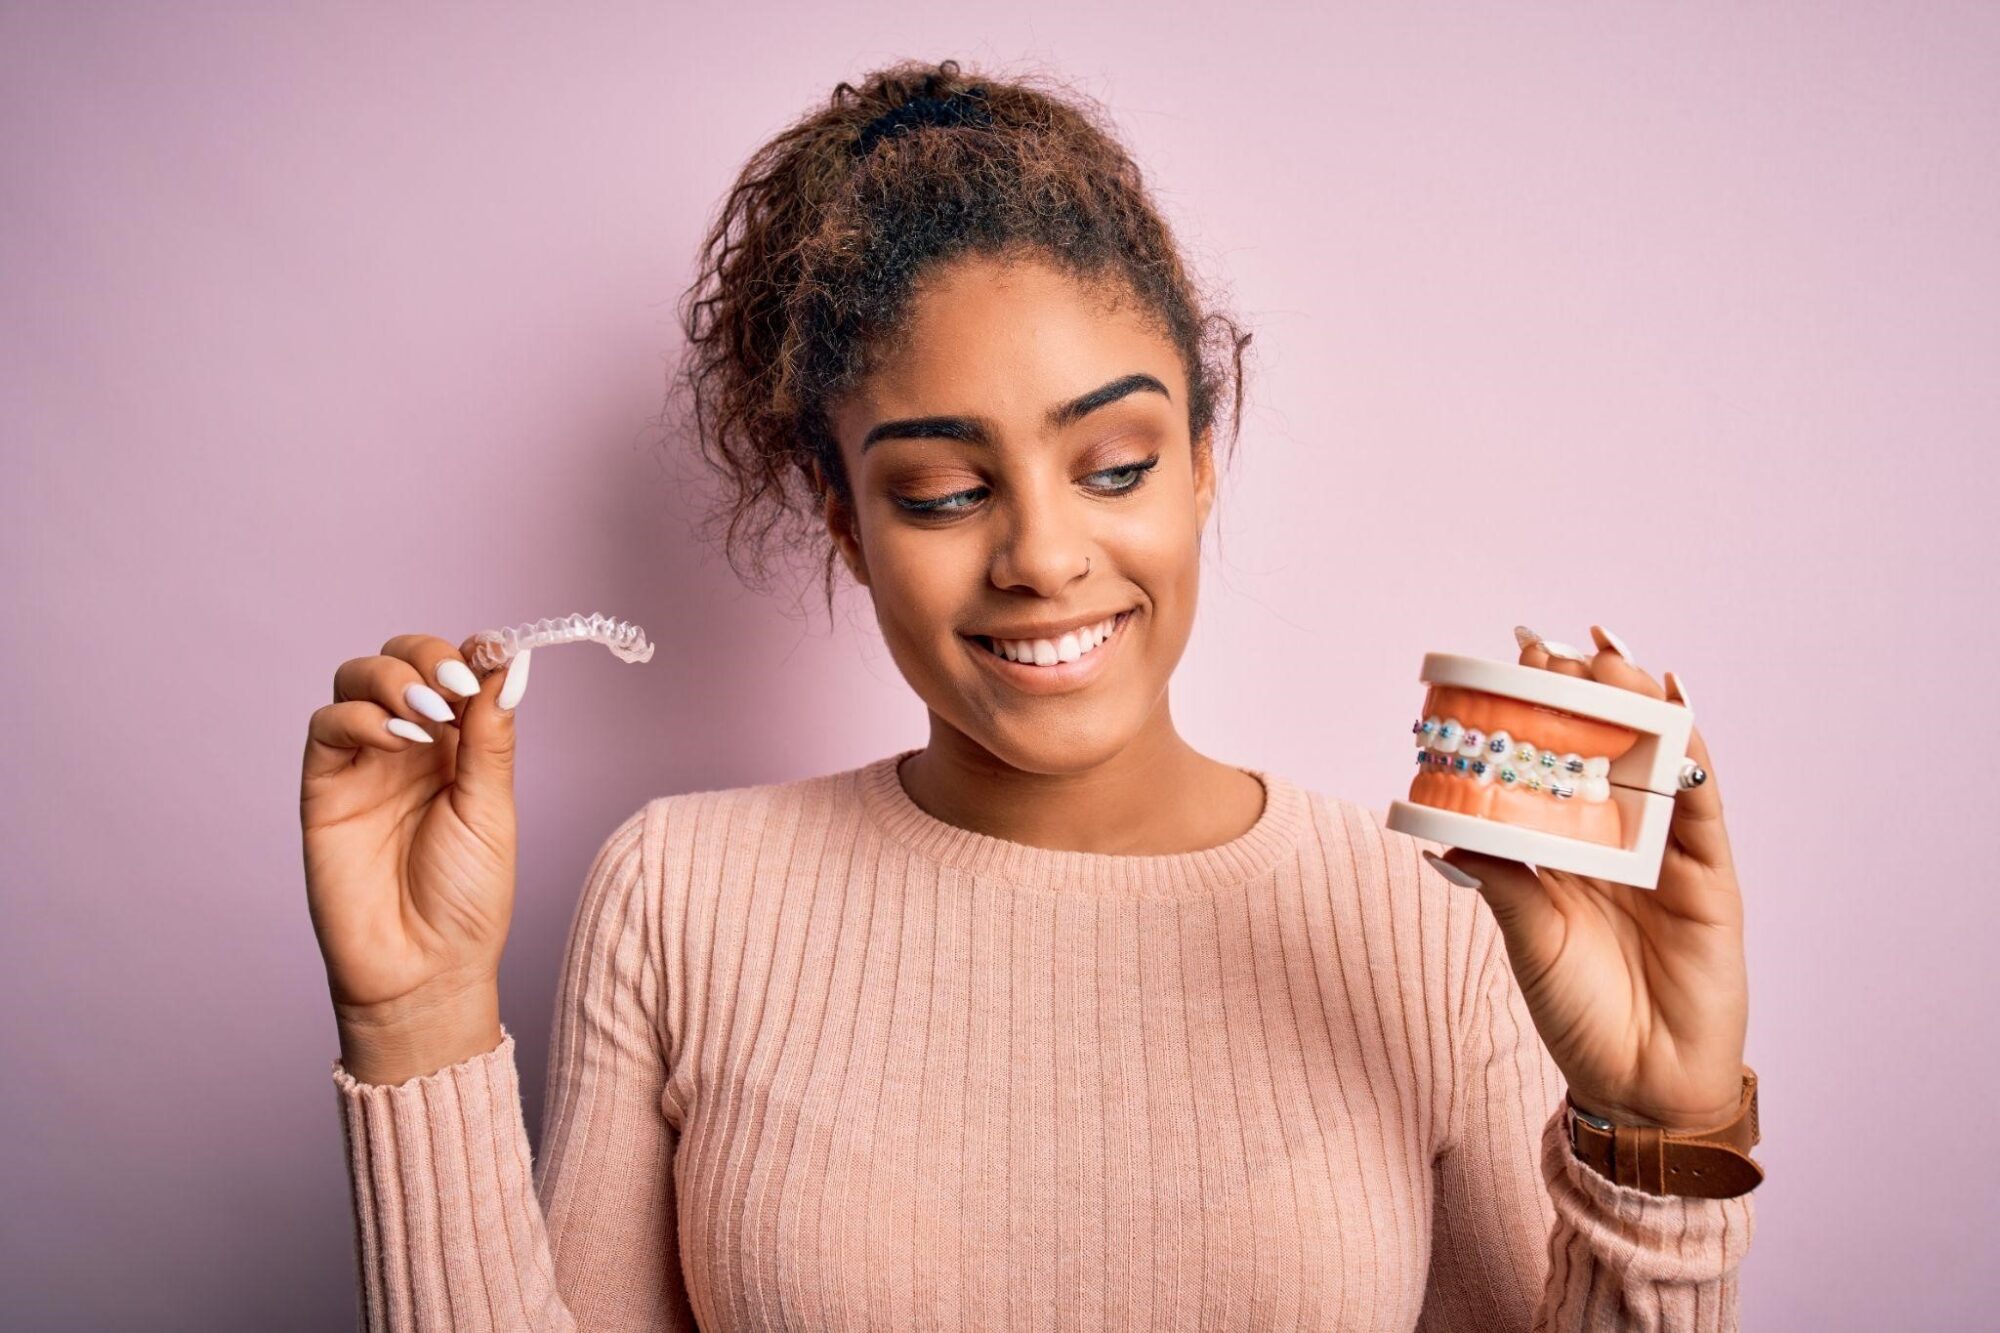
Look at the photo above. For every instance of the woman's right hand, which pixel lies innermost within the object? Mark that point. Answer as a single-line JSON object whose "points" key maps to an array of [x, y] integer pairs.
{"points": [[410, 844]]}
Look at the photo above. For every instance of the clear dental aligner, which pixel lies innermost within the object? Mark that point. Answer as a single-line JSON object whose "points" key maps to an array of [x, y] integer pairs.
{"points": [[494, 648], [1445, 745]]}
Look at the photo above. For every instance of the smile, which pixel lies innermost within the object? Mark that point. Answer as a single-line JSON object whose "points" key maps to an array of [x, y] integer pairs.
{"points": [[1048, 666]]}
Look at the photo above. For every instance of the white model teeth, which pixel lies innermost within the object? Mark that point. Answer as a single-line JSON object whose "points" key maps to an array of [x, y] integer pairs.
{"points": [[1447, 745], [1049, 652]]}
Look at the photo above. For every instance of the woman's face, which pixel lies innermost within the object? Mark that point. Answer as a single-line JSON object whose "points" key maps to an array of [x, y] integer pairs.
{"points": [[1026, 429]]}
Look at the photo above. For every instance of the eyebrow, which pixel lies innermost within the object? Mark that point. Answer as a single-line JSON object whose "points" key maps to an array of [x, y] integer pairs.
{"points": [[979, 431]]}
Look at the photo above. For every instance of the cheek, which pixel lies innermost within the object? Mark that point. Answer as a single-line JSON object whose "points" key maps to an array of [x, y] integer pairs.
{"points": [[1162, 557], [919, 586]]}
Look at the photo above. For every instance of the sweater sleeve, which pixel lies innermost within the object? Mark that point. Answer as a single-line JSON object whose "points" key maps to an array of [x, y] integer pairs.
{"points": [[454, 1229], [1527, 1237]]}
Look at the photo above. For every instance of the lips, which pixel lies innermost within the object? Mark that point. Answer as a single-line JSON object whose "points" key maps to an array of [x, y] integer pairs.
{"points": [[1520, 763]]}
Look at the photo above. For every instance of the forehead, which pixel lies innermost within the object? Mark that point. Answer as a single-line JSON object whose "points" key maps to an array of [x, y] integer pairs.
{"points": [[1008, 339]]}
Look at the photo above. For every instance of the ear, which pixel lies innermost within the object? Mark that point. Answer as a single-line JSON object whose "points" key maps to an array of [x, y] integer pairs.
{"points": [[1204, 479], [840, 526]]}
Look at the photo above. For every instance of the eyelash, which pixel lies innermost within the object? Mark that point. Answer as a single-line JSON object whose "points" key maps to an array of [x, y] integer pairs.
{"points": [[939, 506]]}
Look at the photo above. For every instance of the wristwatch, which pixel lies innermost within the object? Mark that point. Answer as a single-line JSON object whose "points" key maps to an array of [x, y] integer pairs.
{"points": [[1704, 1164]]}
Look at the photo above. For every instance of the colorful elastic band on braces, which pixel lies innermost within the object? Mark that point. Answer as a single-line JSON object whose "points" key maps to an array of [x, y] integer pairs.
{"points": [[1445, 745]]}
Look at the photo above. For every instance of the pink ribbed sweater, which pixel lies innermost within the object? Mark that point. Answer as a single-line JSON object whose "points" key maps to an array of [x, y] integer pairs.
{"points": [[823, 1062]]}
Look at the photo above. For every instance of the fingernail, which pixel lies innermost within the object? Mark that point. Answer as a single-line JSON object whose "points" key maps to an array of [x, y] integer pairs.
{"points": [[1452, 872], [1680, 691], [409, 730], [457, 677], [516, 683], [1613, 642], [1556, 649], [428, 702], [1526, 637]]}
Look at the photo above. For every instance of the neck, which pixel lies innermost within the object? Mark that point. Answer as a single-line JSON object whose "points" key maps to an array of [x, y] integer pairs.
{"points": [[1157, 795]]}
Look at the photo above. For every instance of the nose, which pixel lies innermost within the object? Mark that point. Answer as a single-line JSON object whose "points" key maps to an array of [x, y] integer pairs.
{"points": [[1044, 547]]}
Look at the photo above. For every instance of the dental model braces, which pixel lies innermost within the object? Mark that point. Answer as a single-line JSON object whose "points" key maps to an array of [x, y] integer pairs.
{"points": [[494, 648], [1449, 746], [1642, 782]]}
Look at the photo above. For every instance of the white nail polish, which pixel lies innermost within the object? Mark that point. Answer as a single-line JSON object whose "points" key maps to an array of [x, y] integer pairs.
{"points": [[457, 677], [428, 702], [1526, 637], [1451, 872], [1617, 644], [408, 730], [1681, 689], [1563, 650], [516, 683]]}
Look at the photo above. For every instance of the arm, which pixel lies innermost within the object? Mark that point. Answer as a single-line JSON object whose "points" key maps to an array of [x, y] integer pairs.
{"points": [[1525, 1236], [454, 1228]]}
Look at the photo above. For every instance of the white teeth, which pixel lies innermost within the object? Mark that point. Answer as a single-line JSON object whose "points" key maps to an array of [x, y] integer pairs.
{"points": [[1049, 652], [1497, 757]]}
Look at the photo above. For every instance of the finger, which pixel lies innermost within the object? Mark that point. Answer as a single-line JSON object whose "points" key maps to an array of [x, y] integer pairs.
{"points": [[486, 739], [1549, 654], [1527, 916], [1697, 827], [337, 733], [437, 662], [1611, 666], [397, 686]]}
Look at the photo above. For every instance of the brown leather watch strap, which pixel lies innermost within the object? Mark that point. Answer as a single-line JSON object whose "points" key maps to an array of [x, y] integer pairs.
{"points": [[1705, 1164]]}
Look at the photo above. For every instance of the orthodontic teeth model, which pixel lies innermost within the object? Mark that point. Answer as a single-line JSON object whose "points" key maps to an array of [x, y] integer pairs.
{"points": [[1544, 768]]}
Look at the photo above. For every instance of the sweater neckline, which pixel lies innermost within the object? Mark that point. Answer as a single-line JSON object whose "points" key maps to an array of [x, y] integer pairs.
{"points": [[1279, 827]]}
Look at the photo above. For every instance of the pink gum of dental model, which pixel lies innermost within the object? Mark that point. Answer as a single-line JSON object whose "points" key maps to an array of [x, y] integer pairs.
{"points": [[494, 648]]}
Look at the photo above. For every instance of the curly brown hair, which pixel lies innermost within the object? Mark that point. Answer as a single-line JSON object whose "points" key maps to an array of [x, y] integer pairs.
{"points": [[812, 258]]}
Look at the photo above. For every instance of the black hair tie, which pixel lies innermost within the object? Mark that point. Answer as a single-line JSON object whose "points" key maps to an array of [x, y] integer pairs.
{"points": [[965, 107]]}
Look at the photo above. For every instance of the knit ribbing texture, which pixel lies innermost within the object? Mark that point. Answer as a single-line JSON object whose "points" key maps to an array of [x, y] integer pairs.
{"points": [[822, 1061]]}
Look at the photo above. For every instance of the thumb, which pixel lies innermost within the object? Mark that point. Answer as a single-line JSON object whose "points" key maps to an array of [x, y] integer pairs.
{"points": [[1520, 902], [486, 733]]}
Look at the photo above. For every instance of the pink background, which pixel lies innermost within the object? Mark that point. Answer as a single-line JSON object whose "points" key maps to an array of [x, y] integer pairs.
{"points": [[326, 326]]}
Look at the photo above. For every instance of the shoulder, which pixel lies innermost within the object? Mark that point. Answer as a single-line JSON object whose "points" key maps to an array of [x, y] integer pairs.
{"points": [[708, 839], [1360, 851], [743, 812]]}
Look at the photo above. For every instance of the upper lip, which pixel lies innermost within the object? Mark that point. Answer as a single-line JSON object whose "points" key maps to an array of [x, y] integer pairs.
{"points": [[1051, 630]]}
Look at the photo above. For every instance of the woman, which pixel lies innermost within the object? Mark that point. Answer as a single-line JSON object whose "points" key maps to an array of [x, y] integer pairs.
{"points": [[1055, 1022]]}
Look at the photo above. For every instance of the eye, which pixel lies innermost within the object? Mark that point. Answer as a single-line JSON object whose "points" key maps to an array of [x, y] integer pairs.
{"points": [[1136, 471], [944, 504], [1133, 475]]}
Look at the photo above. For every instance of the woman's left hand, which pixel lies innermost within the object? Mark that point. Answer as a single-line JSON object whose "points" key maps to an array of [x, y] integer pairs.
{"points": [[1640, 995]]}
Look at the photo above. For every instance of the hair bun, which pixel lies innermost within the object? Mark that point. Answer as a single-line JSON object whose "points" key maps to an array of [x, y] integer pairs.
{"points": [[964, 107]]}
